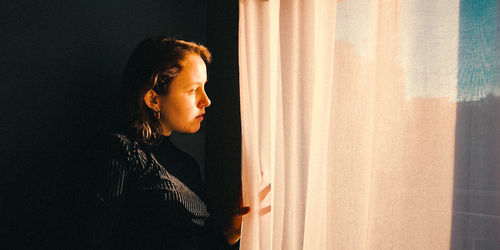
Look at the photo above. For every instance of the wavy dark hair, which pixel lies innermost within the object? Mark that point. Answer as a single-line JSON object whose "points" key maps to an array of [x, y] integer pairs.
{"points": [[154, 63]]}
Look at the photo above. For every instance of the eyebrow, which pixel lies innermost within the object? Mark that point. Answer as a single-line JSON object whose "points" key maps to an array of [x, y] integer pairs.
{"points": [[195, 83]]}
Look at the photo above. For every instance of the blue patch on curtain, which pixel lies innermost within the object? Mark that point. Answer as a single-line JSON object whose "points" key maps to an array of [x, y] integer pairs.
{"points": [[478, 57]]}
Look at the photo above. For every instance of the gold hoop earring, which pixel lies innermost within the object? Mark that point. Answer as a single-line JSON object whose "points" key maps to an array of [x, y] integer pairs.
{"points": [[157, 114]]}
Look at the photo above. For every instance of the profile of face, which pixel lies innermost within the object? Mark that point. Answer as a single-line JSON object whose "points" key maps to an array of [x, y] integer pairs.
{"points": [[183, 107]]}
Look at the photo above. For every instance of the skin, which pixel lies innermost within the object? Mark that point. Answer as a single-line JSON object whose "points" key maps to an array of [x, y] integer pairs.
{"points": [[183, 107]]}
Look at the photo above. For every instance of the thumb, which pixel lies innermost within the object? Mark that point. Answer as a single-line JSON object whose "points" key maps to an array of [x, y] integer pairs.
{"points": [[240, 211]]}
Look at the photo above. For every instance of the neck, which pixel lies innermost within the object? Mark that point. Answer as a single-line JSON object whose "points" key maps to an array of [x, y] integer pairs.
{"points": [[165, 131]]}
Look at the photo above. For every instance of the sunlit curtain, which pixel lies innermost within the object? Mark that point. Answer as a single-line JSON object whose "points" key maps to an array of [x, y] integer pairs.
{"points": [[375, 122]]}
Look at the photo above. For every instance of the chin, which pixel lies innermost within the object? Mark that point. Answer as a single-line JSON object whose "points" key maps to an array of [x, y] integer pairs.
{"points": [[191, 130]]}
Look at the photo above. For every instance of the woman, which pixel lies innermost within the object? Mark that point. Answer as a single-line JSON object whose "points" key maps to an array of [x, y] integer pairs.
{"points": [[151, 192]]}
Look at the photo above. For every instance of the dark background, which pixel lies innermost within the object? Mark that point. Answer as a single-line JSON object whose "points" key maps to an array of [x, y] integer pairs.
{"points": [[61, 62]]}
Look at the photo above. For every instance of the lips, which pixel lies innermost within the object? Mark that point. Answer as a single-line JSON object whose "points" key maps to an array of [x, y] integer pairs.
{"points": [[200, 116]]}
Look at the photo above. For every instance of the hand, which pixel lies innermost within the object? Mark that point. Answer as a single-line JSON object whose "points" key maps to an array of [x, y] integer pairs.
{"points": [[232, 231]]}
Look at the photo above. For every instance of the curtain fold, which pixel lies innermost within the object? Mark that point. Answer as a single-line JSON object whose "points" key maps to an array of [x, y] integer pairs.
{"points": [[349, 112]]}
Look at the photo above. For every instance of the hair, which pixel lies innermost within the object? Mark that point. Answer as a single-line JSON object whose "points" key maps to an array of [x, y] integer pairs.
{"points": [[153, 65]]}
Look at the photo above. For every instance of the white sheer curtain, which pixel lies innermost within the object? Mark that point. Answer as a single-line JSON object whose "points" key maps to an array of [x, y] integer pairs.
{"points": [[349, 111]]}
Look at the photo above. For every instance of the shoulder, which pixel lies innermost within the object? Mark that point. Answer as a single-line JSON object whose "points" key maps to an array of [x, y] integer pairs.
{"points": [[123, 139], [117, 143], [121, 147]]}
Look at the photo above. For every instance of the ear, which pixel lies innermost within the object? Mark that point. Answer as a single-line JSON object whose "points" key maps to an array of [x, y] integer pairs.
{"points": [[152, 100]]}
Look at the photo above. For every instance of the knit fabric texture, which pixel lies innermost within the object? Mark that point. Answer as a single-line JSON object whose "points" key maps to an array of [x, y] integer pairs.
{"points": [[152, 197]]}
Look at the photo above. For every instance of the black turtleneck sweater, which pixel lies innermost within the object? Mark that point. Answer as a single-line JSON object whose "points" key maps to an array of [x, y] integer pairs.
{"points": [[152, 198]]}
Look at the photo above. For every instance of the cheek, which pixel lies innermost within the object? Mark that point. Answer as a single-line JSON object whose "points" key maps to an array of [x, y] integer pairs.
{"points": [[178, 106]]}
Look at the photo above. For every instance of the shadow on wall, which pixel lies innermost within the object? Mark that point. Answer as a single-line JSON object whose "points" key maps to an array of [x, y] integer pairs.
{"points": [[476, 191]]}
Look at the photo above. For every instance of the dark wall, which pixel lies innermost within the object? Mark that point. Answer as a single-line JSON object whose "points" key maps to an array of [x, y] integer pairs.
{"points": [[223, 137], [60, 66]]}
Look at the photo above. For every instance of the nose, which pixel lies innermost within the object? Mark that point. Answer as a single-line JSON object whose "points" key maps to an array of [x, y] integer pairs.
{"points": [[204, 101]]}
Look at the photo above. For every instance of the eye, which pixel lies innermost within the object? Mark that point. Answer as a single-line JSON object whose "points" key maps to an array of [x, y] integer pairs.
{"points": [[193, 90]]}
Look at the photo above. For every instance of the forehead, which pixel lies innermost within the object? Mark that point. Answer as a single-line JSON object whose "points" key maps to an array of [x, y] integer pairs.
{"points": [[193, 70]]}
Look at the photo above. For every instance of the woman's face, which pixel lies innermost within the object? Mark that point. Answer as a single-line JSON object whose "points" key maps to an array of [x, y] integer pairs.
{"points": [[183, 107]]}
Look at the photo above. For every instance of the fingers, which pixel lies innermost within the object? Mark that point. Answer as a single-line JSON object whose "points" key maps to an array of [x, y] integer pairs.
{"points": [[263, 193], [240, 211]]}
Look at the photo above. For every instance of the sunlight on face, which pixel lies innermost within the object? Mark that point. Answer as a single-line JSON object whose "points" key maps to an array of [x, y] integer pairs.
{"points": [[183, 107]]}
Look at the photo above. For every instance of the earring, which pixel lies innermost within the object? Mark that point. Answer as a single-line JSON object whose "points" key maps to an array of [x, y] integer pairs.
{"points": [[157, 114]]}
